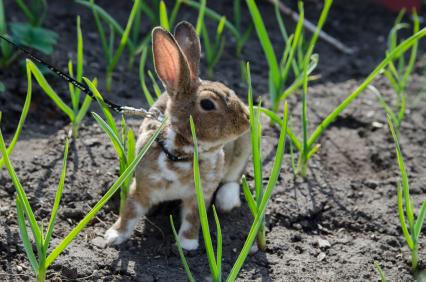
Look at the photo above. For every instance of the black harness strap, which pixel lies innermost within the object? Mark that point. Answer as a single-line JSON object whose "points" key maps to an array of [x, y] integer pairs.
{"points": [[170, 155]]}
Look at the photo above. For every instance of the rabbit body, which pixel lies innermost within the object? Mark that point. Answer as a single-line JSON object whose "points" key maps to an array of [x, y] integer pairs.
{"points": [[166, 171]]}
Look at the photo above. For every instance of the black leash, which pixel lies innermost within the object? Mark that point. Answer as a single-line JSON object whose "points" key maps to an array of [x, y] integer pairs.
{"points": [[83, 87]]}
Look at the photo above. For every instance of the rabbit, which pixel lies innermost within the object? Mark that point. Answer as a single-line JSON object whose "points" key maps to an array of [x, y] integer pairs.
{"points": [[166, 171]]}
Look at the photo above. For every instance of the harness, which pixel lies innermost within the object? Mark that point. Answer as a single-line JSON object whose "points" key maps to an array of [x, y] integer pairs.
{"points": [[172, 157]]}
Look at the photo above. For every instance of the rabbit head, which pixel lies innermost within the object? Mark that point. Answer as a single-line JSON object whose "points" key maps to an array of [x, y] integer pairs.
{"points": [[219, 115]]}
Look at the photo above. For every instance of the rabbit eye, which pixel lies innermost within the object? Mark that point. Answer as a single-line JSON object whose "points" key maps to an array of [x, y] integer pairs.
{"points": [[207, 105]]}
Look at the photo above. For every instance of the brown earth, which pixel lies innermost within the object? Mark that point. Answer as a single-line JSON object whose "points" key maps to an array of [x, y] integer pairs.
{"points": [[349, 198]]}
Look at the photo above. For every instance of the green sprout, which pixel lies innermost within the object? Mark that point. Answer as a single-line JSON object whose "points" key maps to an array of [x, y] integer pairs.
{"points": [[243, 35], [111, 54], [256, 143], [148, 96], [258, 210], [124, 143], [76, 112], [292, 57], [240, 36], [130, 35], [213, 50], [22, 118], [398, 73], [41, 236], [380, 271], [35, 12], [307, 147], [412, 231]]}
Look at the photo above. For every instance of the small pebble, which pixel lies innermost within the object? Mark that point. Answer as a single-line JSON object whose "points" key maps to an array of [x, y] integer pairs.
{"points": [[321, 256], [323, 244], [99, 242]]}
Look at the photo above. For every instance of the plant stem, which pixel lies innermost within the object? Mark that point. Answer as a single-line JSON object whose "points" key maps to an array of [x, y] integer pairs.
{"points": [[75, 130], [261, 238], [41, 276], [414, 258]]}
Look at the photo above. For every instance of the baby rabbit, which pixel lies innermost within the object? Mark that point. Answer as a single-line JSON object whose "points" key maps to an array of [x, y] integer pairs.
{"points": [[166, 172]]}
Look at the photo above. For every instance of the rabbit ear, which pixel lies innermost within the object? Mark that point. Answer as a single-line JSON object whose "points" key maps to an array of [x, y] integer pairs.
{"points": [[189, 42], [169, 61]]}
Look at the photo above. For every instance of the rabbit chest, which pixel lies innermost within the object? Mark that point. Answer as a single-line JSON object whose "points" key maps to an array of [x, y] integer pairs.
{"points": [[168, 179]]}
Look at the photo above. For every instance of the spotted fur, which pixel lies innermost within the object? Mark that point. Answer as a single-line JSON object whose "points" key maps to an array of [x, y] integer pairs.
{"points": [[222, 135]]}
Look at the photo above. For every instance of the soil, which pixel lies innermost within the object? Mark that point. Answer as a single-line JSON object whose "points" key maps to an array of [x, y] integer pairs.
{"points": [[331, 226]]}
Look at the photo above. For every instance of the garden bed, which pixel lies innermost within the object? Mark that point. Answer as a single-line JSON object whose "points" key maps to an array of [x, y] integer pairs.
{"points": [[329, 227]]}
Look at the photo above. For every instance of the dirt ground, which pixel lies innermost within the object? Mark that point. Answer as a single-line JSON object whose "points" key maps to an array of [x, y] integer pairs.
{"points": [[329, 227]]}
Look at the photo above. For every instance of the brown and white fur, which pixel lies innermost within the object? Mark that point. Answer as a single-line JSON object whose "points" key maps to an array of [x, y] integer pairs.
{"points": [[221, 121]]}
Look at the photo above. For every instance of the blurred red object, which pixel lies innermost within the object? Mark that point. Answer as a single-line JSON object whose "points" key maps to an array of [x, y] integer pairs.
{"points": [[397, 5]]}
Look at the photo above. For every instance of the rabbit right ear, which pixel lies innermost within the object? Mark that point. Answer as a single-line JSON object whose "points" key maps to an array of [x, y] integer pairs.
{"points": [[169, 61], [189, 42]]}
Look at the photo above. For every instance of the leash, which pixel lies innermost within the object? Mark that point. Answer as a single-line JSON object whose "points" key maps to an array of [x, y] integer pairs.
{"points": [[125, 110]]}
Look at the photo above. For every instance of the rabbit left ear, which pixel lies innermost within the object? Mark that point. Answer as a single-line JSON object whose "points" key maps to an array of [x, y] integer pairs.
{"points": [[169, 61], [189, 42]]}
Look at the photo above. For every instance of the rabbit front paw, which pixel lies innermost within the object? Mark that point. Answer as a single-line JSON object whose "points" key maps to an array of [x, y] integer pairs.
{"points": [[188, 244], [115, 237], [228, 197]]}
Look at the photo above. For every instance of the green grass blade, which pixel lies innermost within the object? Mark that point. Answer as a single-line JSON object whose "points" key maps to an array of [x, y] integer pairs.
{"points": [[402, 47], [383, 103], [79, 76], [202, 208], [379, 271], [57, 200], [5, 48], [276, 119], [404, 176], [402, 219], [267, 195], [100, 28], [213, 15], [266, 44], [118, 146], [164, 19], [74, 101], [83, 109], [255, 137], [20, 192], [295, 42], [22, 118], [206, 44], [157, 89], [200, 18], [150, 13], [108, 116], [117, 184], [25, 238], [124, 38], [174, 12], [26, 11], [249, 197], [218, 243], [180, 250], [419, 222], [413, 54], [107, 18], [131, 146], [49, 91], [299, 81], [145, 90]]}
